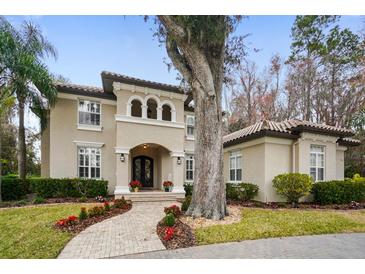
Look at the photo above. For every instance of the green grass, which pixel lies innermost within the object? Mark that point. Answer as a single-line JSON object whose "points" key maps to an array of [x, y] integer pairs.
{"points": [[28, 232], [264, 223]]}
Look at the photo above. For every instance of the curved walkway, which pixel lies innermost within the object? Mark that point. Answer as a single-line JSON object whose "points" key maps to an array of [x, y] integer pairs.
{"points": [[332, 246], [132, 232]]}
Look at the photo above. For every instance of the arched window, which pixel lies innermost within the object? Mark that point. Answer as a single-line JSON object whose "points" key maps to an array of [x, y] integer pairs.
{"points": [[136, 108], [166, 113], [151, 109]]}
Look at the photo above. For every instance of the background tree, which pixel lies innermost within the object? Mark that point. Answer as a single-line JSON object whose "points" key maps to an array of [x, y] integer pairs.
{"points": [[198, 49], [26, 76]]}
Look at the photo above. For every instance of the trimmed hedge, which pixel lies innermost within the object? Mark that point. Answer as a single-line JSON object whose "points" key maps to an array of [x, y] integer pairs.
{"points": [[339, 192], [241, 191], [57, 188], [15, 188], [188, 189]]}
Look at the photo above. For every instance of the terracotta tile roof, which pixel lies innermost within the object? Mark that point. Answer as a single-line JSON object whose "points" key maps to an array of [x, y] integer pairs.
{"points": [[285, 129], [83, 90], [349, 142], [141, 82]]}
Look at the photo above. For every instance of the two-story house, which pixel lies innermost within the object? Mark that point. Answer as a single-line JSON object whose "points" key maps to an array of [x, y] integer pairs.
{"points": [[133, 129]]}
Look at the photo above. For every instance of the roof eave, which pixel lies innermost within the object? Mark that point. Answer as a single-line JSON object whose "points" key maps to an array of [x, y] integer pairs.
{"points": [[68, 90], [259, 134], [336, 133]]}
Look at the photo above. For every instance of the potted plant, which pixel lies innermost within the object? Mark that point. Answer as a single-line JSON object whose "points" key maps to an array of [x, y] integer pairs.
{"points": [[135, 185], [168, 185]]}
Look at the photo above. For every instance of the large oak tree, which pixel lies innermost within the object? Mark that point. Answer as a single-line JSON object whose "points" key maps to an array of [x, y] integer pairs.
{"points": [[198, 49]]}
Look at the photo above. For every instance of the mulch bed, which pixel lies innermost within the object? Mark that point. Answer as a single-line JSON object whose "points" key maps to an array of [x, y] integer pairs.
{"points": [[183, 235], [350, 206], [79, 226]]}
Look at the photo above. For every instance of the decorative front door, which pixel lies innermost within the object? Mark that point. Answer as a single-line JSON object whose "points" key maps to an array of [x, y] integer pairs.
{"points": [[143, 170]]}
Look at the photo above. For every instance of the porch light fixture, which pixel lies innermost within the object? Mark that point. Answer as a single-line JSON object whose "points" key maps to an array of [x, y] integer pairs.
{"points": [[178, 160], [145, 146], [122, 158]]}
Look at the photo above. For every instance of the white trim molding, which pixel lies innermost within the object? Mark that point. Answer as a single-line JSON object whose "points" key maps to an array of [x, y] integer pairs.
{"points": [[62, 95], [146, 121], [88, 144], [120, 150], [121, 190], [89, 127], [177, 154]]}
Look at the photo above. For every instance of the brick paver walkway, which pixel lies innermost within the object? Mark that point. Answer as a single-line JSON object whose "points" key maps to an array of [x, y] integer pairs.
{"points": [[335, 246], [132, 232]]}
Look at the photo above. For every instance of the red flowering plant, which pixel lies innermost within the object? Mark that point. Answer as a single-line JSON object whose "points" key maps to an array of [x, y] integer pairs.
{"points": [[68, 221], [135, 184], [106, 206], [169, 233], [167, 185], [174, 209]]}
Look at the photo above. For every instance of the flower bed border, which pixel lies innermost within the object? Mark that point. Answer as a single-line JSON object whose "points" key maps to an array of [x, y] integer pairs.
{"points": [[183, 235], [81, 225]]}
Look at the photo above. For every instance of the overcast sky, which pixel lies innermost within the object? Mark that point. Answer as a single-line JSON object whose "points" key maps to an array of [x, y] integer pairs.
{"points": [[87, 45]]}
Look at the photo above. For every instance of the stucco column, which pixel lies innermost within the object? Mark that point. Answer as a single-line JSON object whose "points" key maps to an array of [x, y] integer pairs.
{"points": [[144, 111], [122, 168], [177, 159], [159, 113]]}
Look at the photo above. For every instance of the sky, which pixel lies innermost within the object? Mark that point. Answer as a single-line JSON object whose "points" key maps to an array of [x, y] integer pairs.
{"points": [[87, 45]]}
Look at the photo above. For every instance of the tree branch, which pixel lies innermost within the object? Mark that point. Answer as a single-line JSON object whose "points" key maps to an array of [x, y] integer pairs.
{"points": [[172, 27], [178, 60]]}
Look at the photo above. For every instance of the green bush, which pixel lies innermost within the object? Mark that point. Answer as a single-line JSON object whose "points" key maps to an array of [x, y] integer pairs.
{"points": [[13, 188], [188, 189], [358, 178], [293, 186], [83, 214], [38, 200], [120, 203], [57, 188], [169, 219], [339, 192], [96, 211], [185, 205], [241, 192]]}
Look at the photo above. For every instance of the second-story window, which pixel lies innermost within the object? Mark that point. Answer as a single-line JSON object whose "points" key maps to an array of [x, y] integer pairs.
{"points": [[89, 113], [190, 125]]}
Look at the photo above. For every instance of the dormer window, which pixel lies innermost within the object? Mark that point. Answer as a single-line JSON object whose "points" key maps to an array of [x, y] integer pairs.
{"points": [[89, 113]]}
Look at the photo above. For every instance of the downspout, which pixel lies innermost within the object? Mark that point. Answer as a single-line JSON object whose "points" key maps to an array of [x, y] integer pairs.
{"points": [[293, 155]]}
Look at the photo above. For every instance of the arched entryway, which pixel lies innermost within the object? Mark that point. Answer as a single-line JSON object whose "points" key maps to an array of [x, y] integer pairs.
{"points": [[142, 167]]}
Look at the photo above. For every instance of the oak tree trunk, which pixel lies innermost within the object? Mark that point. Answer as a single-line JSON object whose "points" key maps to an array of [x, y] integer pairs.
{"points": [[21, 139]]}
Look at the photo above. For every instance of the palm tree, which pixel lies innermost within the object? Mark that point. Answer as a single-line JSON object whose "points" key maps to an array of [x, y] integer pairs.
{"points": [[27, 76]]}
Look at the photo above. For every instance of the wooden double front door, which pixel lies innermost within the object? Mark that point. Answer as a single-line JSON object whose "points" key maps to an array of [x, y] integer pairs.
{"points": [[143, 170]]}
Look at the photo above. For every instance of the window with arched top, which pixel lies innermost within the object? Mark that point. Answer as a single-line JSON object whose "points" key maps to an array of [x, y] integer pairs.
{"points": [[166, 113], [151, 109], [136, 108]]}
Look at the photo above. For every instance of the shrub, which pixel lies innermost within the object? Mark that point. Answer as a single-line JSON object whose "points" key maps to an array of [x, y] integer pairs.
{"points": [[120, 203], [96, 211], [106, 206], [188, 189], [38, 200], [83, 214], [174, 209], [83, 199], [185, 205], [358, 178], [13, 188], [293, 186], [338, 192], [169, 219], [56, 188], [242, 191]]}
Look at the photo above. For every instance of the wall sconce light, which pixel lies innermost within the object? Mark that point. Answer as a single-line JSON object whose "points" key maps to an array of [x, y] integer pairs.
{"points": [[178, 160], [122, 158]]}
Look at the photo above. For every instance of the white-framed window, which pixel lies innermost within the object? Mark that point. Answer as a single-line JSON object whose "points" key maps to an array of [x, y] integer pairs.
{"points": [[89, 113], [89, 162], [190, 125], [189, 167], [235, 167], [317, 162]]}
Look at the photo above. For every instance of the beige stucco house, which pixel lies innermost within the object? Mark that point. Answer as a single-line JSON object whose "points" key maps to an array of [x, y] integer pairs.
{"points": [[137, 129]]}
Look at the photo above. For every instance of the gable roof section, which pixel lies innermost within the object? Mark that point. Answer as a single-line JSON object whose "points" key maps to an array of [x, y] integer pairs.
{"points": [[287, 129], [106, 75], [84, 90]]}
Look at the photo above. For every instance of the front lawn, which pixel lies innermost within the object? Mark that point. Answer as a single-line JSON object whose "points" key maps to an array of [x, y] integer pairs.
{"points": [[28, 232], [265, 223]]}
